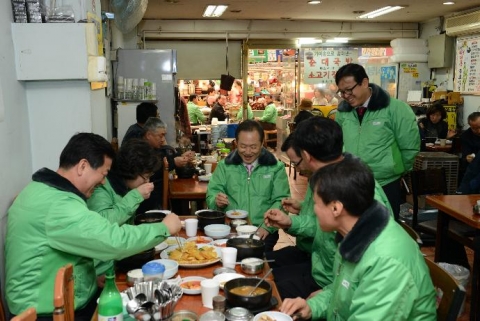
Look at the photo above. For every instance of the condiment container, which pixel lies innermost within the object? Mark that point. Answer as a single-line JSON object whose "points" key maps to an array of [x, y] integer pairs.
{"points": [[153, 271], [238, 314], [134, 276]]}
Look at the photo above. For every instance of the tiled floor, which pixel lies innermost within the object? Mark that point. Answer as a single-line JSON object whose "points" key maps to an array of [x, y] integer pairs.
{"points": [[298, 189]]}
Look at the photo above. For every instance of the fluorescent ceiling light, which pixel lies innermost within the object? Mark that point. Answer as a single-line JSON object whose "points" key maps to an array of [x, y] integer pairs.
{"points": [[338, 40], [214, 10], [314, 2], [380, 12], [308, 41], [448, 3]]}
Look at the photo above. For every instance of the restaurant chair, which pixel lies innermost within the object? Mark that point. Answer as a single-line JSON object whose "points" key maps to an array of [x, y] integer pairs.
{"points": [[432, 181], [453, 293], [63, 295], [29, 314], [270, 137], [410, 231], [166, 180]]}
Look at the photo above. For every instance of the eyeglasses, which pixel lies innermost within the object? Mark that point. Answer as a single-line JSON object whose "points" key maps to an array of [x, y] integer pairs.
{"points": [[146, 177], [295, 164], [347, 91]]}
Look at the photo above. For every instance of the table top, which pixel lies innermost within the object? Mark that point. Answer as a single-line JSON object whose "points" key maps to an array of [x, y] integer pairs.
{"points": [[187, 188], [438, 148], [457, 206]]}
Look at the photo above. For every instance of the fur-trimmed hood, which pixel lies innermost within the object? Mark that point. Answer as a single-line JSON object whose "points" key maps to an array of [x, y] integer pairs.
{"points": [[265, 159], [369, 225], [53, 179], [380, 99]]}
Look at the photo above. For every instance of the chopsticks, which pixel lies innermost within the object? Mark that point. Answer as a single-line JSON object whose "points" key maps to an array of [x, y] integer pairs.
{"points": [[179, 243]]}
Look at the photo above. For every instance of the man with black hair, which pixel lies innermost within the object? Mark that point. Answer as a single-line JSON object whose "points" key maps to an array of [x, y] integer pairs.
{"points": [[381, 130], [144, 111], [194, 113]]}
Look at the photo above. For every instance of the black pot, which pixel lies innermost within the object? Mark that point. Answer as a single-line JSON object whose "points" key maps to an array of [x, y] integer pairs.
{"points": [[247, 247], [248, 302], [185, 172], [207, 217], [150, 217], [136, 261]]}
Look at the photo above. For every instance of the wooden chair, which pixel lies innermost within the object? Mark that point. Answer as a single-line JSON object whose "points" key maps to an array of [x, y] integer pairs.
{"points": [[453, 292], [28, 315], [63, 296], [410, 231], [166, 172], [269, 139], [432, 181]]}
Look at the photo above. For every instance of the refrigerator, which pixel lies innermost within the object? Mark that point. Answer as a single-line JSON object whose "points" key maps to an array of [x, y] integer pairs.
{"points": [[399, 78], [156, 66]]}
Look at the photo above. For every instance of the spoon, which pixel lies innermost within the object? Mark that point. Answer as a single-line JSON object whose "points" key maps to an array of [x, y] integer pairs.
{"points": [[135, 304], [261, 280], [254, 233]]}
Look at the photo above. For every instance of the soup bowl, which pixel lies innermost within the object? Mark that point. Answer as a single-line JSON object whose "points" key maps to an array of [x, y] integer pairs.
{"points": [[207, 217], [247, 247], [241, 287], [150, 217]]}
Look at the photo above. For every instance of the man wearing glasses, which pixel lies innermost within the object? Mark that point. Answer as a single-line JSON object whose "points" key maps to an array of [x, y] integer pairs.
{"points": [[381, 130]]}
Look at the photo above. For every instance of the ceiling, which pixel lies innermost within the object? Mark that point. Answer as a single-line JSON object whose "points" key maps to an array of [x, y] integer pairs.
{"points": [[328, 10]]}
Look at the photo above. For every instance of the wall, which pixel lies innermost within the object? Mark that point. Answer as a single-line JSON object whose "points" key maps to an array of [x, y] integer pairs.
{"points": [[15, 154], [444, 76]]}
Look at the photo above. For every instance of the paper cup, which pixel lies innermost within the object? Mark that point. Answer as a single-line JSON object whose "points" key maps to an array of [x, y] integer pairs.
{"points": [[443, 142], [229, 257], [191, 226], [208, 168], [209, 289]]}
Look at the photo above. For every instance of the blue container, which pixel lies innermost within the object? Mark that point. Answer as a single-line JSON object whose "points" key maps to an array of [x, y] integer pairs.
{"points": [[231, 129]]}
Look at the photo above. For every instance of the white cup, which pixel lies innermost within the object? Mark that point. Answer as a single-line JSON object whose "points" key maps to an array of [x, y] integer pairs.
{"points": [[208, 168], [191, 225], [209, 289], [443, 142], [214, 121], [229, 257]]}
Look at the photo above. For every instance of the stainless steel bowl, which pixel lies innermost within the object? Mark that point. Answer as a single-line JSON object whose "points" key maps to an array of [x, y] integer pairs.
{"points": [[237, 222], [184, 315], [252, 265]]}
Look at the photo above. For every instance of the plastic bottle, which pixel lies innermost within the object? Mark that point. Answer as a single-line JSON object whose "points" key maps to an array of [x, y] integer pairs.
{"points": [[153, 271], [110, 305]]}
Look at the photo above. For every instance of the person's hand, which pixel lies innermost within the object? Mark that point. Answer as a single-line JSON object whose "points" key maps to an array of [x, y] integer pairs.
{"points": [[421, 125], [451, 133], [470, 157], [221, 200], [173, 223], [262, 233], [276, 218], [101, 281], [145, 190], [190, 155], [314, 293], [297, 305], [291, 205], [181, 161]]}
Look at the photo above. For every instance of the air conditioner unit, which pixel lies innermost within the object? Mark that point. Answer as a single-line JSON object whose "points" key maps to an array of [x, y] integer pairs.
{"points": [[464, 24]]}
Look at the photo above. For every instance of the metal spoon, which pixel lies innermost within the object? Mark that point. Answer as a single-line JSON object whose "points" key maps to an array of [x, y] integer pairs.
{"points": [[254, 233], [261, 280]]}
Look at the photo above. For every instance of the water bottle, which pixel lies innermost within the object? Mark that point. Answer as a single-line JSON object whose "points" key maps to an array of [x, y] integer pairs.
{"points": [[110, 305]]}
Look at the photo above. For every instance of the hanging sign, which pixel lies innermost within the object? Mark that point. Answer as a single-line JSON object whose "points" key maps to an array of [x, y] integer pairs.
{"points": [[321, 65]]}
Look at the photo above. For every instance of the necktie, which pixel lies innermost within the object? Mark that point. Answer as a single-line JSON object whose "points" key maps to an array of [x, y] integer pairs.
{"points": [[361, 111], [249, 168]]}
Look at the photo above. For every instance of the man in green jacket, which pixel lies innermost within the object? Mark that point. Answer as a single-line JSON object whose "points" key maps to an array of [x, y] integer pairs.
{"points": [[250, 179], [269, 118], [380, 273], [317, 142], [194, 113], [381, 130], [49, 226]]}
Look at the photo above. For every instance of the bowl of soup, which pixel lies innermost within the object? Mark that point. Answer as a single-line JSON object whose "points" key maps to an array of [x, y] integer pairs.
{"points": [[237, 293], [247, 247]]}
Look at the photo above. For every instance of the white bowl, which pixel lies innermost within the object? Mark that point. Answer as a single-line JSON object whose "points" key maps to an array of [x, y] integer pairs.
{"points": [[225, 277], [272, 315], [171, 267], [217, 231], [200, 239], [246, 229], [190, 280], [236, 214]]}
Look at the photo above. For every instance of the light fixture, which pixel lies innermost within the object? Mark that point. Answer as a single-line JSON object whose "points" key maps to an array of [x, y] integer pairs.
{"points": [[308, 41], [213, 11], [314, 2], [338, 40], [380, 12], [449, 3]]}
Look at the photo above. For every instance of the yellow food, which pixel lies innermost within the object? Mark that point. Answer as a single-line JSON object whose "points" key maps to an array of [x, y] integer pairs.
{"points": [[191, 254], [265, 317], [244, 290]]}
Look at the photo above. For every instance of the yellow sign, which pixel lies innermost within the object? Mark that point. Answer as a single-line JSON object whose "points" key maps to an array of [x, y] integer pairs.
{"points": [[93, 18]]}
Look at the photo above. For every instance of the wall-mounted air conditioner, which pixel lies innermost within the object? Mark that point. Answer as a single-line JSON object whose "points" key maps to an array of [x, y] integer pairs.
{"points": [[464, 24]]}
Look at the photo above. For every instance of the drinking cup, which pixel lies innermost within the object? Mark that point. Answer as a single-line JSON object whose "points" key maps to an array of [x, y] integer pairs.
{"points": [[229, 257], [209, 289], [208, 168], [191, 225], [443, 142]]}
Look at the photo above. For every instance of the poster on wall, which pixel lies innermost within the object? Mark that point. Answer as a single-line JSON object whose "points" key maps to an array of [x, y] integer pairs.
{"points": [[467, 65], [321, 65]]}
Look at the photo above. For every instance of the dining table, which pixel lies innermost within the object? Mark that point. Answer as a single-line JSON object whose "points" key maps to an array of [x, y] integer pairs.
{"points": [[181, 191], [194, 302], [459, 207]]}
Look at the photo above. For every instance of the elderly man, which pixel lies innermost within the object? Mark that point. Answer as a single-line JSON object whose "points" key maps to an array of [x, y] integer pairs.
{"points": [[49, 225], [155, 131], [218, 110], [317, 142], [471, 139], [194, 113], [144, 112], [251, 179], [381, 130]]}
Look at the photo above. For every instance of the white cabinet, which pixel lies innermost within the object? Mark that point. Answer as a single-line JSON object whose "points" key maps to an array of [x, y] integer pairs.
{"points": [[53, 51], [441, 51]]}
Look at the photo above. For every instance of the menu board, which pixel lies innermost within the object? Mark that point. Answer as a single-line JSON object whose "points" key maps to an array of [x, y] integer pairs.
{"points": [[321, 65], [467, 65]]}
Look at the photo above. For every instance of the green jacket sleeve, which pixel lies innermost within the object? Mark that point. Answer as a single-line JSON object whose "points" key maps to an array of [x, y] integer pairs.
{"points": [[304, 225], [406, 132], [113, 207], [320, 302], [200, 115], [216, 184], [78, 231], [270, 114], [281, 189]]}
